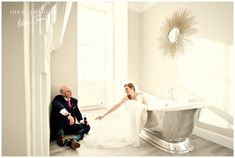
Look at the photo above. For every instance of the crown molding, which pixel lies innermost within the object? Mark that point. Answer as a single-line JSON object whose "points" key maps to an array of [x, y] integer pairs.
{"points": [[140, 7]]}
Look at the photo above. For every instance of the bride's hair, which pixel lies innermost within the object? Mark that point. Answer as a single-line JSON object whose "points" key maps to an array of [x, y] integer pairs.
{"points": [[131, 85]]}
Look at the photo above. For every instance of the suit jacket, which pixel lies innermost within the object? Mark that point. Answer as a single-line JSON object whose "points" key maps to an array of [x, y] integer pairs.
{"points": [[59, 121]]}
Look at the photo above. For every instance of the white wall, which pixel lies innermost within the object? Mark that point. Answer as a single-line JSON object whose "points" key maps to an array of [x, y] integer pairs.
{"points": [[64, 59], [134, 47], [26, 75], [205, 71], [120, 47], [209, 27], [14, 131]]}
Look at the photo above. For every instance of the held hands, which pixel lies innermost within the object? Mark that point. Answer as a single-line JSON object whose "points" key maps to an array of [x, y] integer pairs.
{"points": [[99, 117]]}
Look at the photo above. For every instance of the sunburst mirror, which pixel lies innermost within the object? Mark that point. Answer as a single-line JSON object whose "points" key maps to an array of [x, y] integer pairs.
{"points": [[176, 32]]}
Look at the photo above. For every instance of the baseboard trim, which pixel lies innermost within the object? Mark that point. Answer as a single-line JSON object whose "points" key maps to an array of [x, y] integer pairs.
{"points": [[214, 137]]}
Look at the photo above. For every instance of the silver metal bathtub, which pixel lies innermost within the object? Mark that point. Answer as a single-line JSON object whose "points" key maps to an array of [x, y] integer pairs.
{"points": [[169, 128]]}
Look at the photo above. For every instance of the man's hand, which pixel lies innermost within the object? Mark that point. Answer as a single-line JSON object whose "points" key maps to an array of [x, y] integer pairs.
{"points": [[82, 122], [71, 120]]}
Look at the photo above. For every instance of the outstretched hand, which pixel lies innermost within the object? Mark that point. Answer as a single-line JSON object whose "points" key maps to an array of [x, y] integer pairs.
{"points": [[99, 118]]}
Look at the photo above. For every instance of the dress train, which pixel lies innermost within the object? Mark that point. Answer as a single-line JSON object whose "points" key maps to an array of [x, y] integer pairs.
{"points": [[118, 129]]}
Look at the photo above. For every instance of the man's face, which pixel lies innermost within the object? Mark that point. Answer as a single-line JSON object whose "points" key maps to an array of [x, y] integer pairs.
{"points": [[67, 93]]}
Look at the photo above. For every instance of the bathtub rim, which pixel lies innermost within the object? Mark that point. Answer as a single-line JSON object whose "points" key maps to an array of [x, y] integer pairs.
{"points": [[175, 107]]}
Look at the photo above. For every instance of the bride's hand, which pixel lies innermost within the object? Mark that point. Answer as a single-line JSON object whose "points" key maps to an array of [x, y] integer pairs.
{"points": [[99, 118]]}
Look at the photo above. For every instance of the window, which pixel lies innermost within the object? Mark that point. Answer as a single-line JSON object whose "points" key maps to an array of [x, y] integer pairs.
{"points": [[93, 49]]}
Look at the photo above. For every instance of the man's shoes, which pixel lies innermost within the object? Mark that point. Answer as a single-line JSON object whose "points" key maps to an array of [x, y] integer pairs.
{"points": [[60, 140], [68, 142], [72, 143]]}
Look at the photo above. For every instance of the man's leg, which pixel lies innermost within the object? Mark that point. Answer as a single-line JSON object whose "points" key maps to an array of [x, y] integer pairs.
{"points": [[84, 130], [66, 142], [79, 130], [60, 137]]}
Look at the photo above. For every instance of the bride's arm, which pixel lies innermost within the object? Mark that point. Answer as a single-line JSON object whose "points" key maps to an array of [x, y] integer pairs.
{"points": [[113, 108]]}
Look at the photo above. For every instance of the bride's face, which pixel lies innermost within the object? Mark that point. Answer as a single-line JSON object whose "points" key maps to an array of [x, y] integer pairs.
{"points": [[128, 90]]}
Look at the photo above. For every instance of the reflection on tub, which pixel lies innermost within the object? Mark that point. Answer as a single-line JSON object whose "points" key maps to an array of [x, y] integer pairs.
{"points": [[170, 124]]}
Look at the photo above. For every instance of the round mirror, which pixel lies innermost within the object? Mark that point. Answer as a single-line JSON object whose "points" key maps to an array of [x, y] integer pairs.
{"points": [[174, 34]]}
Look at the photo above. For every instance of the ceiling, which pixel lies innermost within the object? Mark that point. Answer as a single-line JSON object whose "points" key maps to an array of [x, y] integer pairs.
{"points": [[140, 6]]}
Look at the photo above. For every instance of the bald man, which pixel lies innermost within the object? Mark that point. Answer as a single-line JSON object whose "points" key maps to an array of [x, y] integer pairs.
{"points": [[66, 118]]}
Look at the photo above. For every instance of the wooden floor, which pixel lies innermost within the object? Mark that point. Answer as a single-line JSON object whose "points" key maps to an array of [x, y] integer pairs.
{"points": [[202, 147]]}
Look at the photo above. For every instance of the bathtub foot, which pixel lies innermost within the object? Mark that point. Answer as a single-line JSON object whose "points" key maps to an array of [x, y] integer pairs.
{"points": [[170, 147]]}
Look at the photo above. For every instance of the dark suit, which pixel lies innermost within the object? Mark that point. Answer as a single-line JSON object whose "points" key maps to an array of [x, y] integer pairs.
{"points": [[60, 122]]}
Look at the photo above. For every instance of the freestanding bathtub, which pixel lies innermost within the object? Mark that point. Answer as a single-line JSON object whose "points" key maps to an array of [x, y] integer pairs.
{"points": [[170, 124]]}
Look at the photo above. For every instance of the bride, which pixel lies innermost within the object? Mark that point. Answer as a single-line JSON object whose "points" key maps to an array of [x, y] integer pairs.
{"points": [[120, 129]]}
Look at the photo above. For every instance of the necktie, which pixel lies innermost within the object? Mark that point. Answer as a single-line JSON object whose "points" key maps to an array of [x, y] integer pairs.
{"points": [[69, 104]]}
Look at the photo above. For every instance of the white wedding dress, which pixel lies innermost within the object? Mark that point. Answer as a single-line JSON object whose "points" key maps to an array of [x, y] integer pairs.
{"points": [[119, 129]]}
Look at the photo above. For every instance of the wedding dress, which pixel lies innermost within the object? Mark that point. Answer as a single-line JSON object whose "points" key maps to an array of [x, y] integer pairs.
{"points": [[119, 129]]}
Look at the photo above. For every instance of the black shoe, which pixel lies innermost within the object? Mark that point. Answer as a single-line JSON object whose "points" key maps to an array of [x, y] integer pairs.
{"points": [[72, 143], [60, 140]]}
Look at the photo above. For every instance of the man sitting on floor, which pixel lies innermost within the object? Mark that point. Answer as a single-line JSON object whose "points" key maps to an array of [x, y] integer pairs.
{"points": [[66, 118]]}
